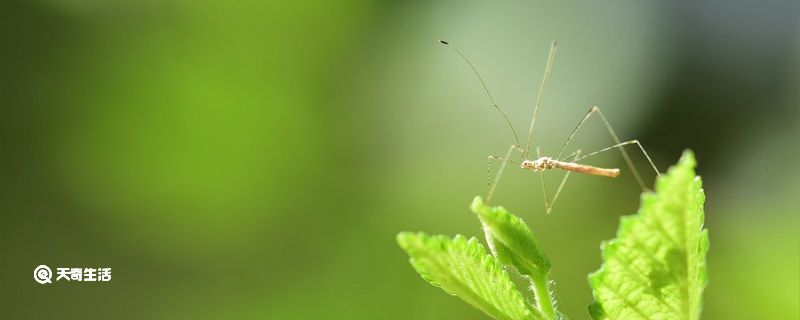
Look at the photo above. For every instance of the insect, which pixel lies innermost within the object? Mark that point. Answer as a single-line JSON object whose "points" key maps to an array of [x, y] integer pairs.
{"points": [[569, 163]]}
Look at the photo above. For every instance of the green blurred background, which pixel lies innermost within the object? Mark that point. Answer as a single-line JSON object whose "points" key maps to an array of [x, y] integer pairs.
{"points": [[255, 159]]}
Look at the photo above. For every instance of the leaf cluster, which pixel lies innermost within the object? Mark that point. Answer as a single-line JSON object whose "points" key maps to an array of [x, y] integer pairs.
{"points": [[654, 269]]}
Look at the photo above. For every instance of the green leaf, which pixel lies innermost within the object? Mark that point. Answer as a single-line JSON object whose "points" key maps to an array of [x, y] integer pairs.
{"points": [[514, 244], [656, 267], [462, 268], [510, 240]]}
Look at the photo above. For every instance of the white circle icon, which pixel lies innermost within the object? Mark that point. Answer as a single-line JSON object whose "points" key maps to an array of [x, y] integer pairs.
{"points": [[42, 274]]}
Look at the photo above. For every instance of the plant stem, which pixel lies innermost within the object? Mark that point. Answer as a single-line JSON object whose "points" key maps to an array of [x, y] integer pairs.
{"points": [[543, 298]]}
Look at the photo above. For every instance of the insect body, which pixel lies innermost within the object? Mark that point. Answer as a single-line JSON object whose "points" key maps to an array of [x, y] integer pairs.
{"points": [[544, 163]]}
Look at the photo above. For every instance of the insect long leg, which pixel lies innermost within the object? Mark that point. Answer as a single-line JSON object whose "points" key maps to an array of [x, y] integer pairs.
{"points": [[505, 160], [548, 204], [617, 142], [571, 155], [551, 57], [619, 145]]}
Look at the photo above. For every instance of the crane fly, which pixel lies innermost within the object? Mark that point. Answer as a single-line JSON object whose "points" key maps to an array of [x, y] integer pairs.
{"points": [[542, 163]]}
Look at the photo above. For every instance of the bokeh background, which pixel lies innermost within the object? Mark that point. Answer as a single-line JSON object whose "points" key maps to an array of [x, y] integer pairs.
{"points": [[255, 159]]}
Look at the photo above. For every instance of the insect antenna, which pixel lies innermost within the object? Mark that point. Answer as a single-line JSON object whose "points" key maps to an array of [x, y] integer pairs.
{"points": [[485, 88], [551, 57]]}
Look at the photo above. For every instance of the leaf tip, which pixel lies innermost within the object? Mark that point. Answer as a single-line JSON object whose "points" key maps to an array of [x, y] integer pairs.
{"points": [[688, 157], [477, 205], [407, 239], [402, 238]]}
